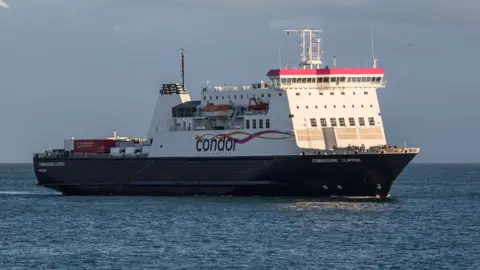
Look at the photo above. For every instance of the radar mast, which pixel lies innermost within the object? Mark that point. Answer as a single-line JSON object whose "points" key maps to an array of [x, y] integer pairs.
{"points": [[311, 52]]}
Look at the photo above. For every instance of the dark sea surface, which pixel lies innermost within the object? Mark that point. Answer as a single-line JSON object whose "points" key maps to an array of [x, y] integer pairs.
{"points": [[431, 222]]}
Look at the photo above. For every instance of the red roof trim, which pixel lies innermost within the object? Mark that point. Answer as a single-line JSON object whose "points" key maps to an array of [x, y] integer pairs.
{"points": [[325, 71]]}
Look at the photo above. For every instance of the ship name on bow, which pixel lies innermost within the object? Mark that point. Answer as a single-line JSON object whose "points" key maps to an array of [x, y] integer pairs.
{"points": [[336, 160]]}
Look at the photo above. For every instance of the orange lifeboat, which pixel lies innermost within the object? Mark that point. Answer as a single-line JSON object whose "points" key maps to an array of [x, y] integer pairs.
{"points": [[257, 105], [217, 110]]}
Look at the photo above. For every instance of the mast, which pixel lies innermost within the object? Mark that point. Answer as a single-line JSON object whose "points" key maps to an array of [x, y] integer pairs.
{"points": [[311, 53], [182, 68]]}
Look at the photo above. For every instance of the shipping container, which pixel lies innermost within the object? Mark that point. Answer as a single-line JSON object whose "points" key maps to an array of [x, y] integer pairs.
{"points": [[93, 146]]}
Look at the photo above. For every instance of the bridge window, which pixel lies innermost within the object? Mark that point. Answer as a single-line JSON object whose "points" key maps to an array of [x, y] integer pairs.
{"points": [[267, 123], [341, 121], [369, 79], [323, 122], [378, 79], [284, 80], [364, 79], [325, 79], [260, 123], [371, 121], [342, 79], [247, 123], [333, 79], [333, 122], [309, 80], [351, 121], [294, 80], [304, 80], [349, 79], [361, 121], [319, 80]]}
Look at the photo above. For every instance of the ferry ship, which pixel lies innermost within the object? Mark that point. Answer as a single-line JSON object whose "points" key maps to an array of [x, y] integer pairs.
{"points": [[310, 130]]}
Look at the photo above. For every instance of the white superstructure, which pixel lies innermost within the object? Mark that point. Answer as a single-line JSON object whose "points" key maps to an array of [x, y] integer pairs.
{"points": [[302, 109]]}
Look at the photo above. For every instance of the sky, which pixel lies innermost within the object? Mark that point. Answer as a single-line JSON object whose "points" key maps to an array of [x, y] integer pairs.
{"points": [[84, 67]]}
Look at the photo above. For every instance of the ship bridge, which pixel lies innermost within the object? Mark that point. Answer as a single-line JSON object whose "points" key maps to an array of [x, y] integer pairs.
{"points": [[327, 78]]}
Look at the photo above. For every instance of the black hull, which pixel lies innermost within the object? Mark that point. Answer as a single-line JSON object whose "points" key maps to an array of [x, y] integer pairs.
{"points": [[340, 175]]}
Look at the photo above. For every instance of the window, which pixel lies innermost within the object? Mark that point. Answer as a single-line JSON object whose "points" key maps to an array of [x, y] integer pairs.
{"points": [[267, 123], [306, 107], [361, 121], [254, 123], [269, 95], [343, 106], [235, 96], [371, 121], [333, 122], [334, 106], [263, 95], [353, 106], [366, 93], [216, 97], [223, 97], [204, 98], [260, 123], [320, 93], [323, 122], [280, 94], [297, 94], [325, 106], [241, 96], [343, 93], [309, 94], [247, 124], [354, 93], [298, 107], [371, 106], [331, 94], [313, 122], [351, 121], [341, 121], [316, 107]]}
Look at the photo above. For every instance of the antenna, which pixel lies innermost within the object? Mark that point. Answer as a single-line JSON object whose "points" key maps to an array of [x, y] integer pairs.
{"points": [[373, 48], [311, 53], [182, 67]]}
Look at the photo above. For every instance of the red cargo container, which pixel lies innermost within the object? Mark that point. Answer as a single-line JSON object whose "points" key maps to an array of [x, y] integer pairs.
{"points": [[93, 146]]}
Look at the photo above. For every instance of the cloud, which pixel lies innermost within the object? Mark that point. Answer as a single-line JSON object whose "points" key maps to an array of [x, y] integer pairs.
{"points": [[3, 4]]}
